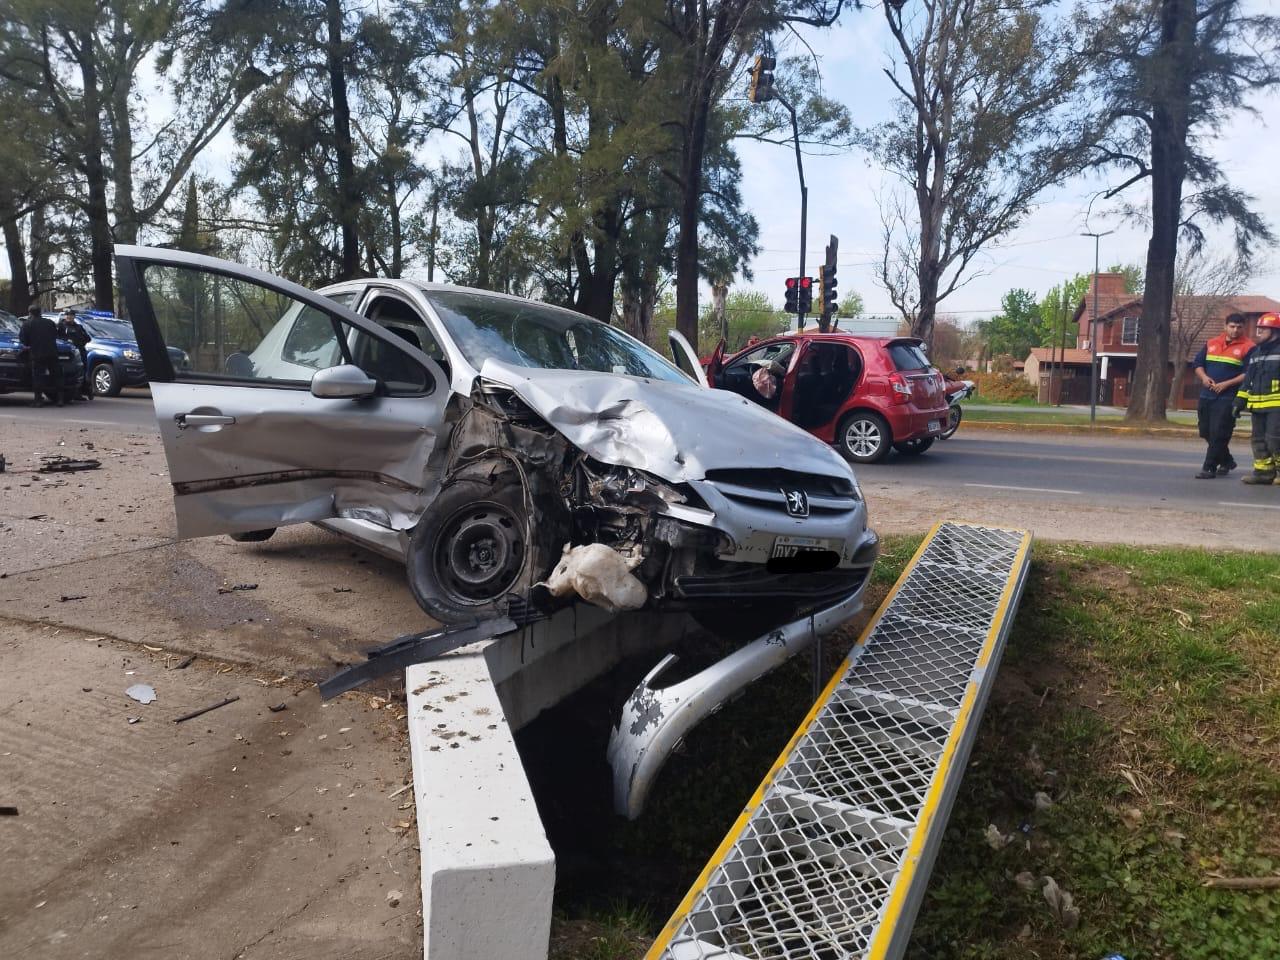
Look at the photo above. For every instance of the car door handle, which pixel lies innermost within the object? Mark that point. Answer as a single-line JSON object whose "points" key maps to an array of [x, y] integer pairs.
{"points": [[203, 420]]}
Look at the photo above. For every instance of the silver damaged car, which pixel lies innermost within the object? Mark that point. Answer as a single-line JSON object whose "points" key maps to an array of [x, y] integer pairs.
{"points": [[477, 436]]}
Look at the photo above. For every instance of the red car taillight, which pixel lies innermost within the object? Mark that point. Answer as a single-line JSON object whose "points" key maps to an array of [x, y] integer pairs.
{"points": [[901, 389]]}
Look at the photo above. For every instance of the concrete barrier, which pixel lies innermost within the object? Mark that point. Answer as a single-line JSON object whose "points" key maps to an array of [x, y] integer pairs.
{"points": [[487, 869]]}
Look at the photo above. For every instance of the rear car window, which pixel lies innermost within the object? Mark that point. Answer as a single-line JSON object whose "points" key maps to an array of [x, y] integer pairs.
{"points": [[908, 356]]}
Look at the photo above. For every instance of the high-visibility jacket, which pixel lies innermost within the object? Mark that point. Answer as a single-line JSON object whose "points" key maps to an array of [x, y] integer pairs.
{"points": [[1261, 387], [1223, 360]]}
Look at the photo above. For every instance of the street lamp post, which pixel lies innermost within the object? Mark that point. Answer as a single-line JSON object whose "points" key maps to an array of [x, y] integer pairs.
{"points": [[1093, 330]]}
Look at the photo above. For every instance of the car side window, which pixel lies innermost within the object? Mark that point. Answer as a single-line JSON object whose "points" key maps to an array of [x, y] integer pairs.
{"points": [[239, 331], [403, 320], [312, 341]]}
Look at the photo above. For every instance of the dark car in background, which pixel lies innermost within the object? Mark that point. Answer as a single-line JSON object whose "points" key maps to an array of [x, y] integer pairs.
{"points": [[112, 355], [15, 368]]}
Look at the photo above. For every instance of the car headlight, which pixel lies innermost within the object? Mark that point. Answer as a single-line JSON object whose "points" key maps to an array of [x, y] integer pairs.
{"points": [[9, 354], [132, 355]]}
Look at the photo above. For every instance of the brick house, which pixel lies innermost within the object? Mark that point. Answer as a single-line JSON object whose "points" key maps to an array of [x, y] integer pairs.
{"points": [[1196, 320]]}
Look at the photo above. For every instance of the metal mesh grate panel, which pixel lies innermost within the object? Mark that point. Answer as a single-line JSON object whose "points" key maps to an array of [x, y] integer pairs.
{"points": [[814, 863]]}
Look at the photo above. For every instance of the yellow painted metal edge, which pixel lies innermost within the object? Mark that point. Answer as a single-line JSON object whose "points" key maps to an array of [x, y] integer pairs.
{"points": [[735, 832], [902, 883]]}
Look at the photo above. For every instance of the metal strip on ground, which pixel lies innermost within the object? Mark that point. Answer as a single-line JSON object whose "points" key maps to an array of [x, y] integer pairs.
{"points": [[831, 856]]}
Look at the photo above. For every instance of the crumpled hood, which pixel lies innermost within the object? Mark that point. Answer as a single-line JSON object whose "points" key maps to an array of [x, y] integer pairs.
{"points": [[675, 431]]}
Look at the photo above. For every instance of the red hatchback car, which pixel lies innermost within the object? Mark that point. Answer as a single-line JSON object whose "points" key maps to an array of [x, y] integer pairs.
{"points": [[865, 395]]}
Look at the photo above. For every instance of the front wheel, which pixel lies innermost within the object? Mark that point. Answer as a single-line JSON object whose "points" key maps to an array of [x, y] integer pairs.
{"points": [[474, 547], [913, 448], [864, 437], [954, 416], [104, 380]]}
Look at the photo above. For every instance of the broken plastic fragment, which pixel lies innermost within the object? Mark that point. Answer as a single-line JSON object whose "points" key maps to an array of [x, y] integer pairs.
{"points": [[599, 575], [1060, 904], [142, 692]]}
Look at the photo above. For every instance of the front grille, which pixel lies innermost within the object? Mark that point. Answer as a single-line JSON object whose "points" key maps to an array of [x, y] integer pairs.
{"points": [[757, 583], [764, 489]]}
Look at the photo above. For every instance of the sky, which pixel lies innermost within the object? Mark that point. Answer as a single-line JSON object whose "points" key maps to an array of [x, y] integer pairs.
{"points": [[1045, 250]]}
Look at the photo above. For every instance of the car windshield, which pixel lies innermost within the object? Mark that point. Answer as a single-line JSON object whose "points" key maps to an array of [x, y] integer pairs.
{"points": [[9, 323], [109, 329], [528, 334]]}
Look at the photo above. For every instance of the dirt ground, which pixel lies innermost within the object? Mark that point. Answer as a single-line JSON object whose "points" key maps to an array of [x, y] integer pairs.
{"points": [[244, 832]]}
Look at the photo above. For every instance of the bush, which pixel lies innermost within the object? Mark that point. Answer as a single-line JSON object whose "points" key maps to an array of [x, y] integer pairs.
{"points": [[1003, 387]]}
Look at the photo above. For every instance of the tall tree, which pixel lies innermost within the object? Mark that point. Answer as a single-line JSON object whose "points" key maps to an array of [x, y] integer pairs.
{"points": [[980, 129], [88, 56], [1017, 327], [712, 38], [1168, 74]]}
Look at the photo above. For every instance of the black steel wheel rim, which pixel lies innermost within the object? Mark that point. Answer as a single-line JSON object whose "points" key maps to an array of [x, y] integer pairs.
{"points": [[479, 553]]}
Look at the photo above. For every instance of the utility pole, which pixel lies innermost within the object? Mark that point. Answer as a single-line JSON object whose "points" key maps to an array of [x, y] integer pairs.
{"points": [[760, 91], [1093, 330], [804, 197]]}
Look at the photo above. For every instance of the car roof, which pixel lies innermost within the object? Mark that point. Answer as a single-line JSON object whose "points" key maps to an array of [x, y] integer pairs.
{"points": [[422, 286]]}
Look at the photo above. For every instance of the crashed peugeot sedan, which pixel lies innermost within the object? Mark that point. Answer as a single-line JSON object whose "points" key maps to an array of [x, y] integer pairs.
{"points": [[517, 458], [480, 438]]}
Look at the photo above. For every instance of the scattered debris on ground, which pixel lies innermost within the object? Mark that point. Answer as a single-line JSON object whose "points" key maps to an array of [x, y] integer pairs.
{"points": [[142, 692], [67, 465], [203, 710]]}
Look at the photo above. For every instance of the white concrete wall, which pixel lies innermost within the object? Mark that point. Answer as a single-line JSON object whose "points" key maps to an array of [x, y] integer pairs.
{"points": [[488, 872]]}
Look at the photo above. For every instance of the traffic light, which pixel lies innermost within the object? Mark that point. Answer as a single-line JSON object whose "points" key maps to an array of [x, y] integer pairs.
{"points": [[793, 288], [761, 88], [804, 302], [827, 289]]}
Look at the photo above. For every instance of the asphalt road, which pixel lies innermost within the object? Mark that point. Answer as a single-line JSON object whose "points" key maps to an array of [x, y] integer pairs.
{"points": [[1064, 469]]}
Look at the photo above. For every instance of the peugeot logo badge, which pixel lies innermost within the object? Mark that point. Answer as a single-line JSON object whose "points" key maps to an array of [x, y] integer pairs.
{"points": [[797, 502]]}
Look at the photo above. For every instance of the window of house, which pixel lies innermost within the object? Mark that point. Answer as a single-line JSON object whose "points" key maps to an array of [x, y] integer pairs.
{"points": [[1129, 334]]}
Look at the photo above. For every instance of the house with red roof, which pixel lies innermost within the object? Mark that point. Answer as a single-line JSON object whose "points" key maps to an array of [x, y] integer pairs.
{"points": [[1063, 375]]}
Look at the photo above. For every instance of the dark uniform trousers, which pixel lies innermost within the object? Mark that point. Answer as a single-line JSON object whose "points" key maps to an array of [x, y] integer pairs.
{"points": [[46, 377], [1216, 422]]}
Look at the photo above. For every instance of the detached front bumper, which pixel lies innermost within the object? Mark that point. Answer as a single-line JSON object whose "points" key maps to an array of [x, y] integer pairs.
{"points": [[656, 719]]}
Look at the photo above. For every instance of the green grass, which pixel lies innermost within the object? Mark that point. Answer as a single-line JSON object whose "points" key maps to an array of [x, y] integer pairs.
{"points": [[1020, 402], [1012, 414], [1140, 690]]}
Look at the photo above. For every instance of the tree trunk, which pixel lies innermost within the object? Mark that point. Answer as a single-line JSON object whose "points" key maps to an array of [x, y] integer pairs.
{"points": [[639, 297], [95, 174], [720, 294], [1168, 171], [19, 283], [695, 145], [348, 199], [126, 214]]}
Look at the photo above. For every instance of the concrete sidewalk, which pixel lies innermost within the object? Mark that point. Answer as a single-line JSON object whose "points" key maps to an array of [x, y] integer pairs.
{"points": [[243, 833]]}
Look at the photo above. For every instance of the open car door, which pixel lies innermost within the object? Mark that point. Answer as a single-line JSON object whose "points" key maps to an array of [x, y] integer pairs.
{"points": [[288, 407], [686, 357]]}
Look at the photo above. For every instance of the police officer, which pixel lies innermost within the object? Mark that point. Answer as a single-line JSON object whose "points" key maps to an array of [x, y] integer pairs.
{"points": [[69, 329], [39, 335], [1260, 394], [1219, 367]]}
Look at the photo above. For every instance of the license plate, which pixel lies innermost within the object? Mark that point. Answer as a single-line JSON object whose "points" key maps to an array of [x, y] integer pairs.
{"points": [[935, 426], [794, 546]]}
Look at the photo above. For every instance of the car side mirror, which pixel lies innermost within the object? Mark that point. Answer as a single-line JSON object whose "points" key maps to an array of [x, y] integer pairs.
{"points": [[343, 382]]}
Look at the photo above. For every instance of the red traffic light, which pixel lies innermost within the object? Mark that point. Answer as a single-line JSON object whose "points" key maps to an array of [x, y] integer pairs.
{"points": [[791, 283], [806, 283]]}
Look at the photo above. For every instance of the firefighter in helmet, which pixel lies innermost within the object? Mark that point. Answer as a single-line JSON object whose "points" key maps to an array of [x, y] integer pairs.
{"points": [[1260, 395]]}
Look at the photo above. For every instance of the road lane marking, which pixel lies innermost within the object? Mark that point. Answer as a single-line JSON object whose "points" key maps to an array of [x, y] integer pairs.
{"points": [[1260, 506], [1005, 486]]}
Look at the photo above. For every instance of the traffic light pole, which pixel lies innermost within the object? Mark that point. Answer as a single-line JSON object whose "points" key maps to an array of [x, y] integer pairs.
{"points": [[804, 195]]}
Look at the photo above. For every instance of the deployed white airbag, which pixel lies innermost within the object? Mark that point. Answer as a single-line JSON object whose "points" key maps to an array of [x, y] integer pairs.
{"points": [[599, 575]]}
